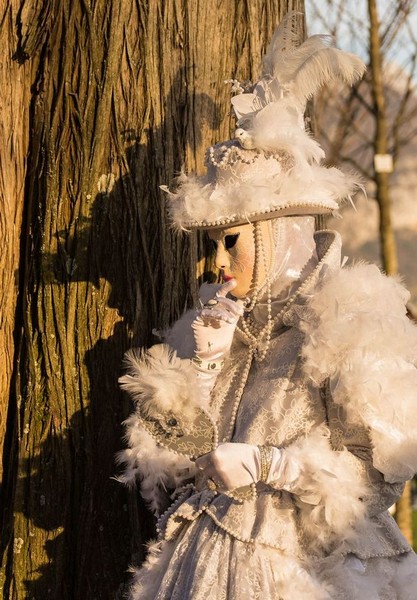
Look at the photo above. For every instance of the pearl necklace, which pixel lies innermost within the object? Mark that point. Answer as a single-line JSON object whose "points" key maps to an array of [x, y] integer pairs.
{"points": [[253, 334], [259, 249], [238, 393], [252, 340], [247, 328]]}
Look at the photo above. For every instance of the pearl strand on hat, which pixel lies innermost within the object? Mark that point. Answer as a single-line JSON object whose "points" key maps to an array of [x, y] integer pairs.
{"points": [[228, 154]]}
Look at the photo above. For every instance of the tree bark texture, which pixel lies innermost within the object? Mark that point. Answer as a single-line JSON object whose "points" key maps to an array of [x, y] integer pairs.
{"points": [[403, 513], [388, 244], [101, 102]]}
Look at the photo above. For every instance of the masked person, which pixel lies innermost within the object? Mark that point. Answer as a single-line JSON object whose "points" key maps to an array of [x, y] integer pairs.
{"points": [[278, 423]]}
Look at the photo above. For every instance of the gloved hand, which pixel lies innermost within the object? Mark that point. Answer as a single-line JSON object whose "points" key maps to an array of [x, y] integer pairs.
{"points": [[215, 325], [234, 465]]}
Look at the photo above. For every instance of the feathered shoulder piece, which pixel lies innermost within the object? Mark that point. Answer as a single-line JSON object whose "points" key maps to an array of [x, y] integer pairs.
{"points": [[159, 382], [358, 336]]}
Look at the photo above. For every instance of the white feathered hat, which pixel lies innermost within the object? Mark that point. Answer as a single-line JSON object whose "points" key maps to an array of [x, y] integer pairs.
{"points": [[273, 166]]}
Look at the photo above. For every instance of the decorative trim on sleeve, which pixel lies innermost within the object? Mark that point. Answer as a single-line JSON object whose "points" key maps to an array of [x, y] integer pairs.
{"points": [[159, 471], [159, 383]]}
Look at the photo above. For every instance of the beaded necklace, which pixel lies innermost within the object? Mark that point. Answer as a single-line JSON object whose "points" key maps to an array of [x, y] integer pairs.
{"points": [[247, 331], [254, 334]]}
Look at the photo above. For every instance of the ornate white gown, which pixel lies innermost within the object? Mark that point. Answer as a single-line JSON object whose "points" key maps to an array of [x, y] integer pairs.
{"points": [[337, 392]]}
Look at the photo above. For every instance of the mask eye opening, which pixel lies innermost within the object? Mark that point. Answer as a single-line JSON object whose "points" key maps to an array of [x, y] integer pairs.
{"points": [[230, 240]]}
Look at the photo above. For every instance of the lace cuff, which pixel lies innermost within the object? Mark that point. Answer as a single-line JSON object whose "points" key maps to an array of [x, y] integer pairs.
{"points": [[157, 469], [329, 489]]}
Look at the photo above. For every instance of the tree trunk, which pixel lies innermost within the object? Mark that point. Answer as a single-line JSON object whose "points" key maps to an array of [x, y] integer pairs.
{"points": [[387, 239], [14, 139], [388, 250], [403, 514], [109, 100]]}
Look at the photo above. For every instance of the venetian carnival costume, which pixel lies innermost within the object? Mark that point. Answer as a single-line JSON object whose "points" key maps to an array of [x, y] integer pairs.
{"points": [[272, 437]]}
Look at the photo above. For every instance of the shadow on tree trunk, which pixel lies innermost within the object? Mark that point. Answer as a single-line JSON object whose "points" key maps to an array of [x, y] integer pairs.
{"points": [[94, 528]]}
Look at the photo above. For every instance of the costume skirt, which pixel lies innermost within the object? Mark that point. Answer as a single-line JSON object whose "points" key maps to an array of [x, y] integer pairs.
{"points": [[206, 563]]}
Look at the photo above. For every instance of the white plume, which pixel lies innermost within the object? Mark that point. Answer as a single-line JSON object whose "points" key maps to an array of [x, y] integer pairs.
{"points": [[284, 41], [296, 71], [278, 126], [285, 55], [324, 67], [157, 469], [159, 381], [310, 65]]}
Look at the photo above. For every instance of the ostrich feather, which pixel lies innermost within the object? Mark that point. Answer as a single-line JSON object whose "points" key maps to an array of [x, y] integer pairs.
{"points": [[310, 65], [159, 381], [329, 488], [323, 67], [156, 468], [278, 126], [284, 40], [286, 64]]}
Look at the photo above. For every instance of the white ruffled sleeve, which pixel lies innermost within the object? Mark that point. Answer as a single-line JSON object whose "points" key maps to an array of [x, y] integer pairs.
{"points": [[160, 472], [162, 379], [159, 384], [361, 348], [328, 487]]}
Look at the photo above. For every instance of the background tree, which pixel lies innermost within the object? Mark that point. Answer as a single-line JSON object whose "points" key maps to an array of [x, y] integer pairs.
{"points": [[377, 118], [381, 143], [101, 102]]}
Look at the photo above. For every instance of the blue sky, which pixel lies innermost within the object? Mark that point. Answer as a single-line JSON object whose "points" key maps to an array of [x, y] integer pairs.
{"points": [[349, 20]]}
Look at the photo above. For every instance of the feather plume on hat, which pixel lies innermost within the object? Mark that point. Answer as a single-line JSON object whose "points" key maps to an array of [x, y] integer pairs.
{"points": [[272, 167]]}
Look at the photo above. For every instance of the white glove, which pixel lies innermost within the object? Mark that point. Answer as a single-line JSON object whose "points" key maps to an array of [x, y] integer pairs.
{"points": [[234, 465], [215, 325], [283, 472]]}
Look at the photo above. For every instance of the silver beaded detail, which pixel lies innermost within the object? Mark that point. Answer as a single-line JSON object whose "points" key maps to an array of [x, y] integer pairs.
{"points": [[266, 460]]}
